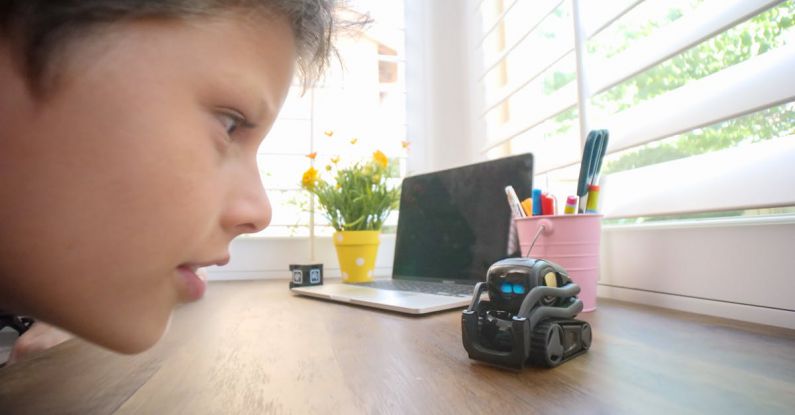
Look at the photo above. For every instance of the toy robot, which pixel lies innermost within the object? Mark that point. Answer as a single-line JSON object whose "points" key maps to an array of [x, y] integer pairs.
{"points": [[529, 317]]}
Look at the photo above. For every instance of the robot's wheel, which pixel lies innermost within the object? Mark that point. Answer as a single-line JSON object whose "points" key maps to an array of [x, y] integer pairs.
{"points": [[546, 344], [556, 341], [586, 336]]}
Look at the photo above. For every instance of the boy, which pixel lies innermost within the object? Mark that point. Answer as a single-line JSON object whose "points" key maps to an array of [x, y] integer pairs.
{"points": [[128, 140]]}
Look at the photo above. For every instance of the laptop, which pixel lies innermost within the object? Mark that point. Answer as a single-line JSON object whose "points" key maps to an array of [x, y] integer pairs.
{"points": [[452, 225]]}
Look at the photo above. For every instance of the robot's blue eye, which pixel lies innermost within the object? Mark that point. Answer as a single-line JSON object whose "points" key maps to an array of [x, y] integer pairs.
{"points": [[518, 289], [505, 288]]}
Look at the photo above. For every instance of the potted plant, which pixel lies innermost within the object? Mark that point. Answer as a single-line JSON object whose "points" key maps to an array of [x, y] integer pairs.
{"points": [[356, 201]]}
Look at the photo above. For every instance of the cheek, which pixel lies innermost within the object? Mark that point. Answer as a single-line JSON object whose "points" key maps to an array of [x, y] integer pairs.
{"points": [[175, 196], [114, 211]]}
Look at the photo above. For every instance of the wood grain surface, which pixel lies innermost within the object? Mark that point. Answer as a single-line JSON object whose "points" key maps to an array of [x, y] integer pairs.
{"points": [[251, 347]]}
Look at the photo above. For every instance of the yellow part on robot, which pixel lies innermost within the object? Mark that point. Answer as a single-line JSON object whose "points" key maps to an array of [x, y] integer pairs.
{"points": [[551, 280]]}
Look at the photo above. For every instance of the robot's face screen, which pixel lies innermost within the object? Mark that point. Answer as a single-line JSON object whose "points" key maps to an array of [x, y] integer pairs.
{"points": [[512, 285], [508, 288]]}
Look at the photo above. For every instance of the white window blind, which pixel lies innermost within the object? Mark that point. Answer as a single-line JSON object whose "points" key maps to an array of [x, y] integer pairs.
{"points": [[687, 88]]}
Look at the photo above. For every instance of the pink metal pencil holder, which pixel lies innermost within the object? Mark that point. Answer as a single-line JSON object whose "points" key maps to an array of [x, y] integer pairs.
{"points": [[571, 241]]}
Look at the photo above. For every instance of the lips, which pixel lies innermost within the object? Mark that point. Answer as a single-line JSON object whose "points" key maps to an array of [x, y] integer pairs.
{"points": [[192, 285], [219, 262]]}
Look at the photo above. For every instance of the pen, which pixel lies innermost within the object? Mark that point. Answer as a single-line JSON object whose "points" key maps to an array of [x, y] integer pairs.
{"points": [[571, 205], [527, 206], [601, 150], [536, 201], [585, 169], [593, 198], [513, 202], [547, 204], [593, 154]]}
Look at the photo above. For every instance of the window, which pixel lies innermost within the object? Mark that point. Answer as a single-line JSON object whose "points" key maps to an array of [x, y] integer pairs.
{"points": [[699, 99], [681, 85], [361, 98]]}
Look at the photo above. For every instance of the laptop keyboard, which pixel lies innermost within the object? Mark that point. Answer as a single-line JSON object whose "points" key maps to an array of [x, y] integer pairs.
{"points": [[454, 290]]}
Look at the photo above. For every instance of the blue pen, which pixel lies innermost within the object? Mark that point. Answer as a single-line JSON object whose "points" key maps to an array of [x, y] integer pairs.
{"points": [[536, 202]]}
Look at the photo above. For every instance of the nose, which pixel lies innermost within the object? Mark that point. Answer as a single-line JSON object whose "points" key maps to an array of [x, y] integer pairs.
{"points": [[247, 208]]}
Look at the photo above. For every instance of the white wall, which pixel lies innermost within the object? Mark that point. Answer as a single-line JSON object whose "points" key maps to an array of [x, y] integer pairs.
{"points": [[740, 268]]}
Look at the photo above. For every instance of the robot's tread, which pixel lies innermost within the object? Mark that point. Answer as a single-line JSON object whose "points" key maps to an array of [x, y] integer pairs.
{"points": [[555, 341]]}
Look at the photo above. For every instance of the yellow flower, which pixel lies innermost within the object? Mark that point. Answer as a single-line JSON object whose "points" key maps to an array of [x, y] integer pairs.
{"points": [[380, 158], [354, 140], [312, 155], [328, 133], [405, 144], [309, 179], [361, 189]]}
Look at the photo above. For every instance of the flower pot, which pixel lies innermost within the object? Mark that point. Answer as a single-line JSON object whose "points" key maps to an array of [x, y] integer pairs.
{"points": [[356, 252]]}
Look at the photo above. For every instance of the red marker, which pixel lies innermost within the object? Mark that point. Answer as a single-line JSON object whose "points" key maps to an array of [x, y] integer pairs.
{"points": [[547, 204]]}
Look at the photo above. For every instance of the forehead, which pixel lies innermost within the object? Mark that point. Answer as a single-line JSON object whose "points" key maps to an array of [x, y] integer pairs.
{"points": [[256, 50]]}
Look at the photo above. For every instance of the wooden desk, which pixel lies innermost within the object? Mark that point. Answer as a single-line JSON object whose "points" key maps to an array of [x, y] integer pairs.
{"points": [[252, 347]]}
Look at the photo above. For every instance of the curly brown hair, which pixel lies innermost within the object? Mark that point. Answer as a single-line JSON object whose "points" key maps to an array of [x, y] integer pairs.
{"points": [[37, 28]]}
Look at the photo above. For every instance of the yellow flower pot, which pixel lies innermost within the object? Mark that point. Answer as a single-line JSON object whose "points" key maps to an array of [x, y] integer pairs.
{"points": [[356, 252]]}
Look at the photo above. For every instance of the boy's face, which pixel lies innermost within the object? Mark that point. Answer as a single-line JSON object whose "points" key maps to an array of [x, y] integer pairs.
{"points": [[135, 170]]}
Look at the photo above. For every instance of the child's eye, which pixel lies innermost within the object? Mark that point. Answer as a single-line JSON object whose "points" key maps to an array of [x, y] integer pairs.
{"points": [[230, 121]]}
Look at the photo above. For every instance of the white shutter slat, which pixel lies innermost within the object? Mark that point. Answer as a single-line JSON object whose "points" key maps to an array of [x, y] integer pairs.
{"points": [[706, 21], [592, 28], [749, 86], [541, 14], [753, 176], [542, 110]]}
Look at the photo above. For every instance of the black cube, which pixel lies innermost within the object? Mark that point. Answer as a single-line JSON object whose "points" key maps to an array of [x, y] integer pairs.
{"points": [[306, 275]]}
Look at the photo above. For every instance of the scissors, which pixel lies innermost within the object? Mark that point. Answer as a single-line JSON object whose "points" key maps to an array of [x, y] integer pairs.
{"points": [[592, 156]]}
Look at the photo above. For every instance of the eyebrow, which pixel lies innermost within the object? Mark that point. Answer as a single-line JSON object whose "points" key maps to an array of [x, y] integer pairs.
{"points": [[263, 113]]}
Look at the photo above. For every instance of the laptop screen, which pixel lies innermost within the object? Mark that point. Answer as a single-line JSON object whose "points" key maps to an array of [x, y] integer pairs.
{"points": [[453, 224]]}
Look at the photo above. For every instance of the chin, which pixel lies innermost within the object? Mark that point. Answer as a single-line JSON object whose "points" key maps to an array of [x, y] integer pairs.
{"points": [[130, 337]]}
